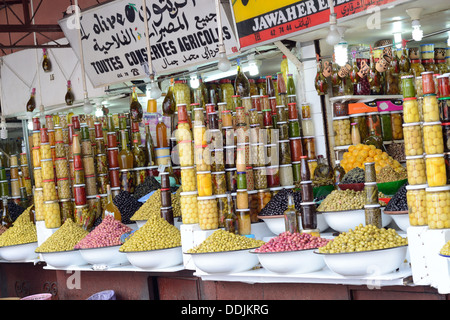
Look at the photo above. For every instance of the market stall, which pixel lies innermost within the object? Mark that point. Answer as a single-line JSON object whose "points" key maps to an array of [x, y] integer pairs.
{"points": [[239, 150]]}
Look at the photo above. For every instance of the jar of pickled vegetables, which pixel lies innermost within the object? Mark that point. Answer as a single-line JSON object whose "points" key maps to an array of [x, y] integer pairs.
{"points": [[418, 85], [374, 124], [433, 139], [260, 177], [430, 108], [219, 182], [446, 136], [309, 147], [273, 155], [308, 127], [283, 130], [188, 204], [231, 175], [397, 125], [204, 183], [227, 90], [39, 204], [263, 196], [49, 189], [202, 158], [416, 170], [286, 175], [361, 124], [444, 109], [386, 126], [413, 135], [182, 92], [241, 199], [47, 169], [436, 170], [188, 179], [52, 214], [342, 131], [411, 110], [273, 176], [46, 152], [438, 207], [208, 215], [408, 86], [416, 197]]}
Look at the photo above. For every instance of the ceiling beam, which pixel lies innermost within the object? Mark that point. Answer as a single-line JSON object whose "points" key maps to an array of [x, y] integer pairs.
{"points": [[38, 46], [10, 28]]}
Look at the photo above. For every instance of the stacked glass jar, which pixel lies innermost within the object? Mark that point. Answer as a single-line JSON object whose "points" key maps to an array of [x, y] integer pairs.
{"points": [[112, 152], [372, 207], [185, 145], [308, 206]]}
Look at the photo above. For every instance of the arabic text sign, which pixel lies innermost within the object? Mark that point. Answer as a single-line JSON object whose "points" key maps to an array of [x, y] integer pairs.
{"points": [[261, 21], [182, 33]]}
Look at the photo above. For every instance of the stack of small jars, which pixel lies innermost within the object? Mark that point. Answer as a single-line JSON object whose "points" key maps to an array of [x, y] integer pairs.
{"points": [[308, 206], [50, 207], [372, 206], [101, 159], [183, 135], [424, 145], [112, 152]]}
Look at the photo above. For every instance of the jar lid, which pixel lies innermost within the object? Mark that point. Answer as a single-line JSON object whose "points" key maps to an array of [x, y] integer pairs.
{"points": [[396, 112], [296, 162], [48, 180], [48, 202], [306, 182], [276, 188], [408, 99], [307, 203], [115, 168], [282, 122], [416, 187], [91, 197], [64, 200], [432, 123], [412, 124], [438, 189], [372, 206], [252, 192], [230, 169], [443, 76], [188, 193], [309, 137], [358, 115], [289, 187], [446, 124], [443, 98], [187, 168], [241, 190], [434, 156], [430, 95], [206, 198], [38, 189], [285, 165], [242, 210], [221, 172], [414, 157], [258, 168], [263, 190], [43, 160], [115, 188], [203, 172], [341, 118], [37, 168], [79, 185]]}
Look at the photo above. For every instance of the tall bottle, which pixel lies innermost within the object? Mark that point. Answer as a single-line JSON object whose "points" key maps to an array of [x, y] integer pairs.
{"points": [[6, 217], [110, 208], [320, 81], [356, 135], [354, 74], [281, 83], [46, 64], [149, 147], [270, 88], [284, 67], [69, 94], [138, 152], [374, 77], [290, 85], [338, 173], [136, 111], [241, 83], [161, 135], [125, 155], [31, 104], [169, 103], [291, 216], [231, 220]]}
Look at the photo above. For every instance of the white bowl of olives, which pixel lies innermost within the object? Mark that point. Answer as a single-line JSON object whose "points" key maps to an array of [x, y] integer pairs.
{"points": [[342, 221], [156, 259], [19, 252], [63, 259], [365, 263], [225, 262]]}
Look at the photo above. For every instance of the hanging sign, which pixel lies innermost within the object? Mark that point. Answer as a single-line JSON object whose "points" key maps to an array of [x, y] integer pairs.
{"points": [[183, 33], [259, 22]]}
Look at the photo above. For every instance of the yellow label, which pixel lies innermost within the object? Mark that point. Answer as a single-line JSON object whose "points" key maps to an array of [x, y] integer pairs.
{"points": [[247, 9]]}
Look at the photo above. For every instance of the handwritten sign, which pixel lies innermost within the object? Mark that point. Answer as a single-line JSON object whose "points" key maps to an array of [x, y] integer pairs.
{"points": [[259, 22], [183, 33]]}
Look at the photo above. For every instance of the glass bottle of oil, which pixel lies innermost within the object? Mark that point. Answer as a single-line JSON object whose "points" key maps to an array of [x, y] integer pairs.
{"points": [[291, 216], [136, 111], [69, 94], [110, 208], [46, 64], [31, 104]]}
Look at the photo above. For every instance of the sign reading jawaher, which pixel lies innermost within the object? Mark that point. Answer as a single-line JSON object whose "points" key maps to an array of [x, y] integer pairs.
{"points": [[262, 21], [182, 33]]}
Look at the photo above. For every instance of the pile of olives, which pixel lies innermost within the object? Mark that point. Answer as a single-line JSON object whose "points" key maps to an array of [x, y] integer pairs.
{"points": [[155, 234], [222, 240], [364, 238], [64, 239]]}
